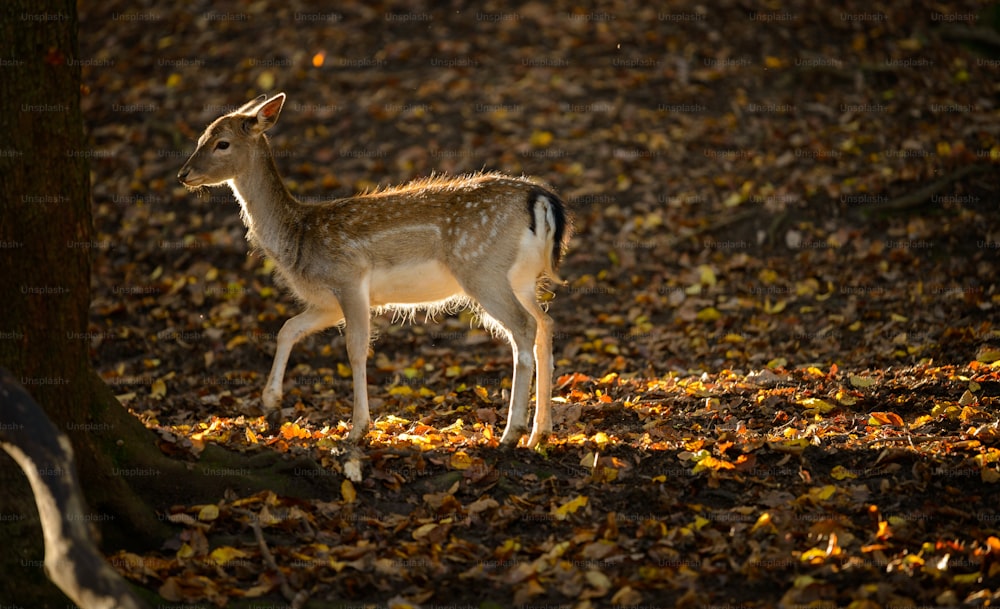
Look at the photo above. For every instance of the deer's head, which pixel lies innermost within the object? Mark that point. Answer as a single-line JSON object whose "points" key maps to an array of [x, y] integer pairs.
{"points": [[228, 146]]}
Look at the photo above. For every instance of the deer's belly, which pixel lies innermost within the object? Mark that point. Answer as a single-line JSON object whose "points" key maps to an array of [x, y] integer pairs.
{"points": [[413, 284]]}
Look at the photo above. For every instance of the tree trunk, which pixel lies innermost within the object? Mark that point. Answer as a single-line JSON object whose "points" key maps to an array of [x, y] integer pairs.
{"points": [[45, 232], [45, 185]]}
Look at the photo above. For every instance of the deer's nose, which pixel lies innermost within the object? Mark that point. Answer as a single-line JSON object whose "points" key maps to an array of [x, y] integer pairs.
{"points": [[183, 173]]}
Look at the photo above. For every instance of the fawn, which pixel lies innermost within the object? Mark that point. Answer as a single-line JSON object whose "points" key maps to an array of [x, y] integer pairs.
{"points": [[484, 240]]}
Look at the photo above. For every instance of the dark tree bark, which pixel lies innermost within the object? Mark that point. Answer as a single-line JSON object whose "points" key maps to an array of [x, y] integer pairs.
{"points": [[46, 286], [45, 230]]}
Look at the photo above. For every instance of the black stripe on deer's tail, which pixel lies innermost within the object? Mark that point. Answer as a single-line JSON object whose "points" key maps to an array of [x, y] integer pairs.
{"points": [[556, 224]]}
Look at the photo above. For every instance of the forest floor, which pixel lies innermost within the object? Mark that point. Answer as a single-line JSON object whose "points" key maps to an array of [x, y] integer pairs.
{"points": [[776, 350]]}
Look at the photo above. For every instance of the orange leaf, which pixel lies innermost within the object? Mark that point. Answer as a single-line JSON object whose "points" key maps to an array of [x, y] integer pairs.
{"points": [[885, 418], [884, 532]]}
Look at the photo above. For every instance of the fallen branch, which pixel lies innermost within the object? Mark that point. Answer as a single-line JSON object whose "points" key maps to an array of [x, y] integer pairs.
{"points": [[72, 560], [297, 599], [921, 196]]}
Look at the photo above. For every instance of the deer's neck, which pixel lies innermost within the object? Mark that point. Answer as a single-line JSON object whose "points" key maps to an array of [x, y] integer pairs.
{"points": [[268, 210]]}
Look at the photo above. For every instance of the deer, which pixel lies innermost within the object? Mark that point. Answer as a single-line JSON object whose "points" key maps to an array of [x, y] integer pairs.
{"points": [[485, 241]]}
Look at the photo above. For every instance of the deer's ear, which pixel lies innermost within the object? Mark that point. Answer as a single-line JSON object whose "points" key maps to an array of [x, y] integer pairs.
{"points": [[266, 115]]}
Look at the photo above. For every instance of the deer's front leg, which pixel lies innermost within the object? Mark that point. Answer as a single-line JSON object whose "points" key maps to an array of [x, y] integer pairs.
{"points": [[295, 329]]}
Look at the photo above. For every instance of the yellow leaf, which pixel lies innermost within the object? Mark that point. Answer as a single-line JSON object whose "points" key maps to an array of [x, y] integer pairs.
{"points": [[571, 506], [764, 520], [236, 341], [707, 275], [455, 427], [461, 460], [966, 578], [814, 556], [347, 491], [793, 447], [424, 530], [608, 379], [224, 554], [778, 362], [452, 371], [401, 390], [774, 309], [601, 438], [768, 276], [173, 80], [700, 522], [711, 462], [185, 551], [482, 392], [822, 493], [773, 62], [733, 200], [708, 314], [840, 472], [816, 404], [343, 370], [541, 139], [158, 389], [208, 513]]}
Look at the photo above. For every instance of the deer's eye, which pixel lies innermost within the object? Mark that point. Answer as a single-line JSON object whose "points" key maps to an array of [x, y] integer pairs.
{"points": [[222, 145]]}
